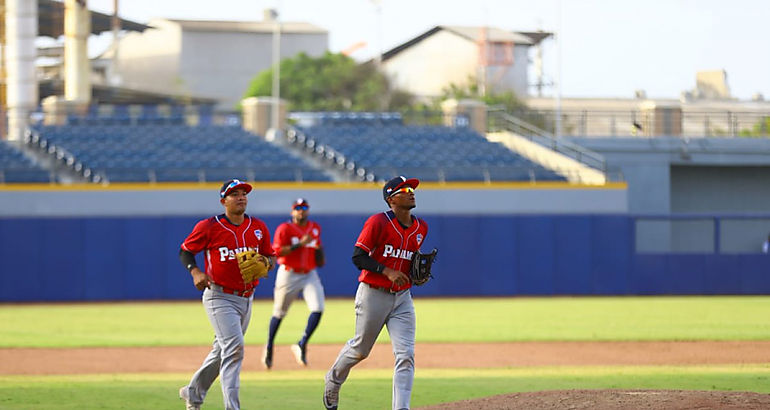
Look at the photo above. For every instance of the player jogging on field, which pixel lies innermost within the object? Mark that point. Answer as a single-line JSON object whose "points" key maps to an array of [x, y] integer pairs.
{"points": [[226, 298], [383, 252], [298, 246]]}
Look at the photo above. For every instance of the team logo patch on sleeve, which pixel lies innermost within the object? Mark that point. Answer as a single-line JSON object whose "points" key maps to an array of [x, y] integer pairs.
{"points": [[419, 238], [258, 234]]}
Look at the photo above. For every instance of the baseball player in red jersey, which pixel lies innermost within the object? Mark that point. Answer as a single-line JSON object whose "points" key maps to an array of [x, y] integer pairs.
{"points": [[226, 298], [383, 252], [298, 246]]}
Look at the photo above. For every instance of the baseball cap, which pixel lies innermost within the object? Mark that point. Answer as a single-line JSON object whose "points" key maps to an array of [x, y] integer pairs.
{"points": [[396, 183], [231, 185], [299, 202]]}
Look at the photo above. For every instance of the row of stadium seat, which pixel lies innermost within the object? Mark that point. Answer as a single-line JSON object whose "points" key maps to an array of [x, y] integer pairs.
{"points": [[18, 168], [153, 153], [368, 146], [437, 153]]}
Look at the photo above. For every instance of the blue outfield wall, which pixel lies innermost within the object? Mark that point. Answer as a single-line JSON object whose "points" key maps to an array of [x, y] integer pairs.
{"points": [[136, 258]]}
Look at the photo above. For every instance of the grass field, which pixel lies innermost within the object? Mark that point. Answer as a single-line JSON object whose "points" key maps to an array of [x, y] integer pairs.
{"points": [[366, 389], [439, 320]]}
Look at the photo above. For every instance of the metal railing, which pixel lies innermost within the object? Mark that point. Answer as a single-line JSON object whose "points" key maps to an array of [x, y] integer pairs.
{"points": [[271, 173], [631, 123], [500, 120]]}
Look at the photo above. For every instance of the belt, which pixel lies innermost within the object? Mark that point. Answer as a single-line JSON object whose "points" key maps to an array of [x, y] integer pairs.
{"points": [[242, 293], [384, 289], [298, 271]]}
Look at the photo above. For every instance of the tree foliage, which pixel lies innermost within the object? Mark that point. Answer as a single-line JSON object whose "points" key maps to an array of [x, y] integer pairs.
{"points": [[506, 99], [760, 129], [332, 82]]}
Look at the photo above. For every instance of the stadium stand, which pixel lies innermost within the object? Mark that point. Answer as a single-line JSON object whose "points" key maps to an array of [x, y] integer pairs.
{"points": [[172, 153], [377, 146], [16, 167]]}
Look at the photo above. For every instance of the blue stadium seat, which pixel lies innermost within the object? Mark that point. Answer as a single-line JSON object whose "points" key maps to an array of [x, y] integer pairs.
{"points": [[166, 152], [383, 145], [17, 168]]}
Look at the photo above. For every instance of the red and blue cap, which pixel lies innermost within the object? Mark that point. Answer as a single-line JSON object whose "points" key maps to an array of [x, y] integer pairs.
{"points": [[397, 183], [299, 202], [231, 185]]}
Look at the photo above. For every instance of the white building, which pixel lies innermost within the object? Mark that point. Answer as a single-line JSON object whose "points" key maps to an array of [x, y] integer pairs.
{"points": [[211, 59], [446, 55]]}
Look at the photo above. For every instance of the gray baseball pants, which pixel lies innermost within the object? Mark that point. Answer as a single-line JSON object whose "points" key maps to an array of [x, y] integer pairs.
{"points": [[375, 309], [229, 316], [287, 287]]}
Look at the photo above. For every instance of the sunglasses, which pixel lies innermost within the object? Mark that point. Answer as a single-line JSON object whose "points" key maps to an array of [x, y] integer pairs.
{"points": [[230, 186], [404, 189], [301, 208]]}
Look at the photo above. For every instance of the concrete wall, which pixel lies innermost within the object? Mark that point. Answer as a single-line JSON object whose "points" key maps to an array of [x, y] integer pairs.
{"points": [[702, 188], [275, 199], [667, 175], [221, 65], [214, 64], [150, 60], [684, 176], [427, 67]]}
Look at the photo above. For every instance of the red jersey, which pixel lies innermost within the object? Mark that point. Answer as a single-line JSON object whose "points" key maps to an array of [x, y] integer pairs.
{"points": [[220, 239], [302, 259], [391, 245]]}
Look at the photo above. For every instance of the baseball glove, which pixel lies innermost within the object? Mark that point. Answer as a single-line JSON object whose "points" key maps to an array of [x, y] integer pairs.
{"points": [[253, 266], [421, 264]]}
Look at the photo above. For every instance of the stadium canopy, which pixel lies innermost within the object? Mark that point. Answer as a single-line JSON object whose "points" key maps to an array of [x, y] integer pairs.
{"points": [[107, 94], [51, 20]]}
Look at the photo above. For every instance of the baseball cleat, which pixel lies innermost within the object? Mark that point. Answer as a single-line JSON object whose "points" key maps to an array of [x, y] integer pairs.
{"points": [[267, 358], [331, 396], [183, 394], [299, 353]]}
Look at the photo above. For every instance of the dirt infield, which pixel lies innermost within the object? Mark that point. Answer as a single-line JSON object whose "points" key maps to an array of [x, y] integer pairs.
{"points": [[428, 355], [449, 355]]}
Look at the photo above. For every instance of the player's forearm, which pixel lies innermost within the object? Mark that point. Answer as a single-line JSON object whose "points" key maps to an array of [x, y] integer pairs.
{"points": [[362, 260], [187, 259], [287, 249]]}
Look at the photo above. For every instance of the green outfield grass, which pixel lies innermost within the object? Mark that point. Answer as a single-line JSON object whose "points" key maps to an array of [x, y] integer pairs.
{"points": [[370, 389], [438, 320]]}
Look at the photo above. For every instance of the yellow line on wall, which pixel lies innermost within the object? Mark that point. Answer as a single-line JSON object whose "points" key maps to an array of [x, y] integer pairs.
{"points": [[186, 186]]}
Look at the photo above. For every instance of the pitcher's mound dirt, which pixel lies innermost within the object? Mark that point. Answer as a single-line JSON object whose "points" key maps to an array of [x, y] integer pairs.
{"points": [[615, 399]]}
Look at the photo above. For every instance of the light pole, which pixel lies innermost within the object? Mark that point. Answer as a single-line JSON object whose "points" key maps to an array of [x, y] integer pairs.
{"points": [[274, 117], [557, 111], [378, 15]]}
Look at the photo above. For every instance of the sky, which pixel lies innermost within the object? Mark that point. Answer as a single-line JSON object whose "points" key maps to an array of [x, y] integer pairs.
{"points": [[608, 48]]}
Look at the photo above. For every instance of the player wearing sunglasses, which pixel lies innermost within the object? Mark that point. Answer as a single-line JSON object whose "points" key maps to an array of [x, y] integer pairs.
{"points": [[300, 252], [383, 252]]}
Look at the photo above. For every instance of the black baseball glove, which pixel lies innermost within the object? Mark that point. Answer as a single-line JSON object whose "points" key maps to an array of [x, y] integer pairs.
{"points": [[421, 264]]}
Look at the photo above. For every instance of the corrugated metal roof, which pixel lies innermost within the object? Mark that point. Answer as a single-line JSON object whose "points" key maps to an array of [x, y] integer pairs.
{"points": [[50, 20], [247, 26]]}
